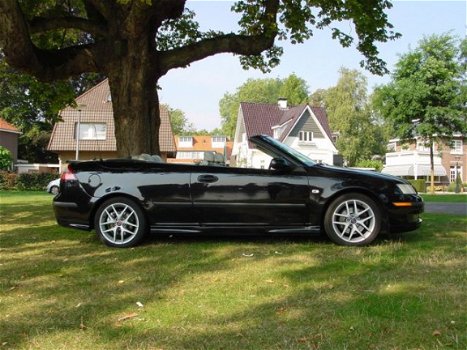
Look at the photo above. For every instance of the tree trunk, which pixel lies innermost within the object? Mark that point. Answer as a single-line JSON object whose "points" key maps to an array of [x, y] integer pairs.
{"points": [[133, 86]]}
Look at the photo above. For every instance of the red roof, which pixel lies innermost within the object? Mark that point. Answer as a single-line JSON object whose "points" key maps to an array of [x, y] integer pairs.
{"points": [[5, 126], [259, 118]]}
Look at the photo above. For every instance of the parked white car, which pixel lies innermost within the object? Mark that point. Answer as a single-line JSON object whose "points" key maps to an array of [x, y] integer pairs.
{"points": [[54, 186]]}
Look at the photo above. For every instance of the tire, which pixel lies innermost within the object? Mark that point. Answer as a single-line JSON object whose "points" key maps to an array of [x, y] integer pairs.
{"points": [[120, 222], [54, 190], [353, 220]]}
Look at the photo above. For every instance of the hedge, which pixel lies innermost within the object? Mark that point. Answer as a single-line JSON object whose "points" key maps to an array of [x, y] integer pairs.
{"points": [[25, 182], [419, 185]]}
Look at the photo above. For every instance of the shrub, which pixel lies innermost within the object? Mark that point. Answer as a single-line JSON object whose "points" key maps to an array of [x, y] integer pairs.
{"points": [[7, 180], [34, 182], [5, 158], [369, 163], [419, 185], [25, 182]]}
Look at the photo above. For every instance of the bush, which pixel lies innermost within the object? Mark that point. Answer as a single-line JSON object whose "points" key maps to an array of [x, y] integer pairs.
{"points": [[25, 182], [419, 185], [5, 158], [452, 186], [7, 180], [369, 163]]}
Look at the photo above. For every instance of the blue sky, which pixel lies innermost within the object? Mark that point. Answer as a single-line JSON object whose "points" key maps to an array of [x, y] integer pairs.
{"points": [[197, 89]]}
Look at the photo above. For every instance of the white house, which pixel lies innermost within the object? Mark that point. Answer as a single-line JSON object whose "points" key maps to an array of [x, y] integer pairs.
{"points": [[411, 160], [302, 127]]}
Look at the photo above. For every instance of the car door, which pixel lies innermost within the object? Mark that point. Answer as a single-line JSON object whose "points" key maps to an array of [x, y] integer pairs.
{"points": [[224, 196]]}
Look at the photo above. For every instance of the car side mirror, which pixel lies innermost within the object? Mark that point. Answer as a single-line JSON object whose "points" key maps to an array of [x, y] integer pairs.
{"points": [[279, 164]]}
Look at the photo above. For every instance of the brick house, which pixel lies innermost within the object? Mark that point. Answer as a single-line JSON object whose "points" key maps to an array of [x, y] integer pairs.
{"points": [[302, 127], [9, 136], [94, 115], [412, 160], [196, 149]]}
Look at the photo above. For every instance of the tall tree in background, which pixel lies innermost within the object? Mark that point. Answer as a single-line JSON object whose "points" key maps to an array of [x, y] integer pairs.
{"points": [[293, 88], [179, 122], [349, 113], [135, 43], [426, 97]]}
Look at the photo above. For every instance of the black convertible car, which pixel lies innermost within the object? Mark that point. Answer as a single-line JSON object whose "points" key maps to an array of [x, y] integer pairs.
{"points": [[123, 199]]}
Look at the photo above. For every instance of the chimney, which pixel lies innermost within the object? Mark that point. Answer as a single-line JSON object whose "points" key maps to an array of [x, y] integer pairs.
{"points": [[282, 103]]}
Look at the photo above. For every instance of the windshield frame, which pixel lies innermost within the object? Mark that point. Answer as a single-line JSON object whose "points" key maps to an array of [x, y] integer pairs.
{"points": [[283, 149]]}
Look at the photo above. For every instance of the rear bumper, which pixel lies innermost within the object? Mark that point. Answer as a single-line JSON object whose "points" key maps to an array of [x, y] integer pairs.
{"points": [[73, 210]]}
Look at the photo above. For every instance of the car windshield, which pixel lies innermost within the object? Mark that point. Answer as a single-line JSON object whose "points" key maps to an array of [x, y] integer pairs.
{"points": [[289, 150]]}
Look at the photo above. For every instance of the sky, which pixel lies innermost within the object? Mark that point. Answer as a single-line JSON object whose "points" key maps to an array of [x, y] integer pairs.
{"points": [[197, 89]]}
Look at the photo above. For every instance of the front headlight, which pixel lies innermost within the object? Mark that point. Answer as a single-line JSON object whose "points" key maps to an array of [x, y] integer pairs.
{"points": [[406, 189]]}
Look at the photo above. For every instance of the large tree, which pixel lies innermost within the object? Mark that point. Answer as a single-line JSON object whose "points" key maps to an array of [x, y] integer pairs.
{"points": [[269, 90], [426, 97], [135, 42], [348, 108]]}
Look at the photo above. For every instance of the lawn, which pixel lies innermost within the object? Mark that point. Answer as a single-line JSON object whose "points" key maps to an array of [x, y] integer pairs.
{"points": [[445, 198], [62, 289]]}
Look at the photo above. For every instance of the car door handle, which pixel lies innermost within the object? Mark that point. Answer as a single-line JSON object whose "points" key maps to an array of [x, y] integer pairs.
{"points": [[207, 178]]}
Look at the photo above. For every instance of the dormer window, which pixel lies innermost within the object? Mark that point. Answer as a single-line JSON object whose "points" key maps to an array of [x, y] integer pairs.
{"points": [[305, 136], [185, 141], [218, 141]]}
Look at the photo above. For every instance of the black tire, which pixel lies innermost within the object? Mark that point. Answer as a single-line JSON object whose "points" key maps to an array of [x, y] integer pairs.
{"points": [[120, 222], [54, 190], [353, 219]]}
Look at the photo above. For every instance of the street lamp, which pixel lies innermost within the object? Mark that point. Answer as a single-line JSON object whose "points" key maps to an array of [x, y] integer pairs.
{"points": [[78, 127]]}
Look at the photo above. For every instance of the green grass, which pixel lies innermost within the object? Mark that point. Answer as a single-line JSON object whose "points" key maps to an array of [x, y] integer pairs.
{"points": [[445, 198], [62, 289]]}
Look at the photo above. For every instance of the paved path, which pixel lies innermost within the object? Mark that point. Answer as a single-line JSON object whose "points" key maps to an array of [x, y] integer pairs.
{"points": [[446, 208]]}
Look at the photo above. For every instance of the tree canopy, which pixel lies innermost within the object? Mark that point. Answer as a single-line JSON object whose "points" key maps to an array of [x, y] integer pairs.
{"points": [[360, 136], [426, 97], [134, 43]]}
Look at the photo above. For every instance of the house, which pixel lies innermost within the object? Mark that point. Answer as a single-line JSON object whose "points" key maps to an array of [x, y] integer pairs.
{"points": [[196, 149], [304, 128], [9, 136], [412, 160], [94, 118]]}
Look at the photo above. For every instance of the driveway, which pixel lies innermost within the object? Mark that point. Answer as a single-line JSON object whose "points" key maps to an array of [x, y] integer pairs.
{"points": [[446, 208]]}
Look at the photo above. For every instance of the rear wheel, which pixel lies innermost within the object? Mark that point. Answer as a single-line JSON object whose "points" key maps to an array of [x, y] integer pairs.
{"points": [[353, 219], [120, 222], [54, 190]]}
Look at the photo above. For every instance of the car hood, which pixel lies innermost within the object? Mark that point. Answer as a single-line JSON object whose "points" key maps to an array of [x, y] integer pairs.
{"points": [[360, 173]]}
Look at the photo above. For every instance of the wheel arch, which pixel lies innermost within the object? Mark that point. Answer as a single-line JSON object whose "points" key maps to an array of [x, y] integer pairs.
{"points": [[379, 202], [101, 200]]}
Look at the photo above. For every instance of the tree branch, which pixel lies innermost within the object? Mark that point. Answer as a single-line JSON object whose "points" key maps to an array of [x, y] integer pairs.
{"points": [[47, 65], [240, 44], [237, 44], [42, 24], [103, 7]]}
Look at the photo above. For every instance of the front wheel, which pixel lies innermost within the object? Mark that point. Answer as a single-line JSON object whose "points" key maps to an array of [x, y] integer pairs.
{"points": [[353, 219], [120, 222]]}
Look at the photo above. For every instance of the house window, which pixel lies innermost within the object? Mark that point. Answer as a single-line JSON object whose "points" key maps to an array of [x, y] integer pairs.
{"points": [[218, 141], [92, 131], [185, 141], [456, 147], [305, 136], [190, 155], [454, 170], [422, 146]]}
